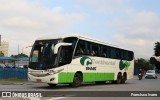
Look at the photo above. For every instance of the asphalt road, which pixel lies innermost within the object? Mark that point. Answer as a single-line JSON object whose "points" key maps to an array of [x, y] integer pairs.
{"points": [[131, 85]]}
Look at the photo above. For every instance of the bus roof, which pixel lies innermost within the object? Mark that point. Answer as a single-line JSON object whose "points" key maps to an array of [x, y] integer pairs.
{"points": [[80, 36], [49, 37]]}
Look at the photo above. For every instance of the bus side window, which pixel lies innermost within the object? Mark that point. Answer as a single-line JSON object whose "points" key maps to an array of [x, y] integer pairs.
{"points": [[113, 53], [65, 55], [104, 51], [117, 53], [123, 55], [80, 49], [87, 50], [95, 50], [120, 54], [92, 53], [130, 55]]}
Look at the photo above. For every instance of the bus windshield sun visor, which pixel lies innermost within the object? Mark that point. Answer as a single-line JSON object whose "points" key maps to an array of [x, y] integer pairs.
{"points": [[59, 45]]}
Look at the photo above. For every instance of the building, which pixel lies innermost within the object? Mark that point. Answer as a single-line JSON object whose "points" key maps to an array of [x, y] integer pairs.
{"points": [[4, 48]]}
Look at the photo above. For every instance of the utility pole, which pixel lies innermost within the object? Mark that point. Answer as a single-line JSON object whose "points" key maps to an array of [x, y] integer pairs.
{"points": [[18, 49], [17, 55], [0, 39]]}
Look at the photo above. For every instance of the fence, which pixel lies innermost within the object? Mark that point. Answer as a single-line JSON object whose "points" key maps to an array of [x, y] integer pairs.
{"points": [[20, 73]]}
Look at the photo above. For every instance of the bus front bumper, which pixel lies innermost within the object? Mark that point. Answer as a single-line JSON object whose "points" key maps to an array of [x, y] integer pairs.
{"points": [[43, 79]]}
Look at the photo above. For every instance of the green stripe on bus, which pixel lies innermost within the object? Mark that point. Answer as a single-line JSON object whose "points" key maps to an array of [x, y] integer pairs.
{"points": [[65, 77], [87, 77], [92, 77]]}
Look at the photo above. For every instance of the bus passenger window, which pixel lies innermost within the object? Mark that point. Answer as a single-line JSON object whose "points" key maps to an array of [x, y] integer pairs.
{"points": [[113, 53], [130, 56], [80, 50], [65, 55], [95, 50], [104, 52], [118, 54], [92, 53], [104, 55]]}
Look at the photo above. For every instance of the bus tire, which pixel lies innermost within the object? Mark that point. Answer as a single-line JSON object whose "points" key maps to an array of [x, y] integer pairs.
{"points": [[77, 80], [124, 78], [52, 85], [119, 78]]}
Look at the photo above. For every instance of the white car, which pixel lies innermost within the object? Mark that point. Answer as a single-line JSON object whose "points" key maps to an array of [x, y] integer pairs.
{"points": [[2, 66], [151, 74]]}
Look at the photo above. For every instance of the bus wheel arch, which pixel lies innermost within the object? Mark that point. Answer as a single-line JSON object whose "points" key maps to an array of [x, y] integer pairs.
{"points": [[79, 72], [77, 79]]}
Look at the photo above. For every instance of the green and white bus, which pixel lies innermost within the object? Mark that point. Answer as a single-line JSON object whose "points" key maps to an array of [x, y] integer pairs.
{"points": [[73, 59]]}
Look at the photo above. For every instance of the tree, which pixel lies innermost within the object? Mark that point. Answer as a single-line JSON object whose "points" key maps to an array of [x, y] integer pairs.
{"points": [[19, 55], [1, 53], [153, 60], [143, 64], [157, 49]]}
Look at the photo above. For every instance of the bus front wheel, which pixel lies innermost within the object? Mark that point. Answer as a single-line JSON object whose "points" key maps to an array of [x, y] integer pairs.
{"points": [[77, 80]]}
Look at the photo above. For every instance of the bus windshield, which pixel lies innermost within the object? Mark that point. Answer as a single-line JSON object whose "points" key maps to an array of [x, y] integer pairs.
{"points": [[42, 55]]}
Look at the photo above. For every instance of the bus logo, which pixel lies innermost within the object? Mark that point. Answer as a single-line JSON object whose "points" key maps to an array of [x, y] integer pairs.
{"points": [[86, 61], [124, 64]]}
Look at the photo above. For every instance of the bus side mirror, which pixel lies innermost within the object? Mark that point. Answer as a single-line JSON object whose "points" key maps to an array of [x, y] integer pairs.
{"points": [[59, 45]]}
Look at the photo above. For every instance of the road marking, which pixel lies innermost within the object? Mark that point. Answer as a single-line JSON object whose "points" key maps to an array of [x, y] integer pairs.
{"points": [[52, 98], [33, 98], [58, 98]]}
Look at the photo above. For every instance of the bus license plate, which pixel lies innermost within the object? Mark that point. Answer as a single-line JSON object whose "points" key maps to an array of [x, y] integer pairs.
{"points": [[38, 80]]}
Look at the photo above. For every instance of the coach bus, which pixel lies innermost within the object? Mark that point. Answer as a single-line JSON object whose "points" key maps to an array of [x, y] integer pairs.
{"points": [[73, 59]]}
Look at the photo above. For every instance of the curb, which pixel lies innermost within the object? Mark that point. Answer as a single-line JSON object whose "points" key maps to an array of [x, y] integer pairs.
{"points": [[9, 83]]}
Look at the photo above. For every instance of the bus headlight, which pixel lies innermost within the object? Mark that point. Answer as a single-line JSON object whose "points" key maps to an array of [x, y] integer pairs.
{"points": [[51, 73], [56, 71]]}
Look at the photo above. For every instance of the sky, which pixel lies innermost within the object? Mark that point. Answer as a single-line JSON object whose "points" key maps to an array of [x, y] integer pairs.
{"points": [[131, 24]]}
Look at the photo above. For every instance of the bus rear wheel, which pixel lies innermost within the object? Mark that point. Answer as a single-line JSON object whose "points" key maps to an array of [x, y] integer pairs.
{"points": [[77, 80], [124, 78], [119, 79]]}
